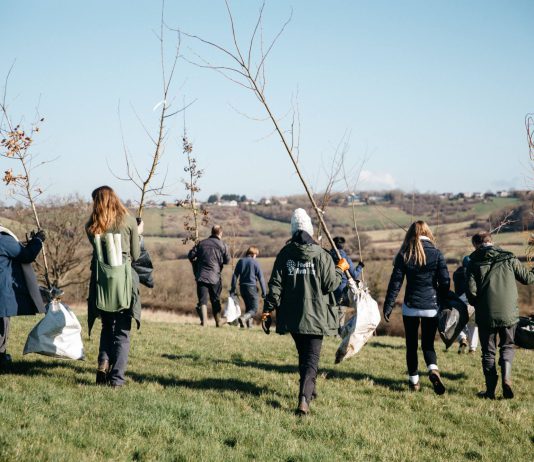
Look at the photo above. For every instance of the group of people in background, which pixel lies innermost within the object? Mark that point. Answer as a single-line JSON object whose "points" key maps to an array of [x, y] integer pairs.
{"points": [[307, 290]]}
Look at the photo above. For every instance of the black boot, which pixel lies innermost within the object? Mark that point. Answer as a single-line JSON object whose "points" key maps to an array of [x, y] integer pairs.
{"points": [[243, 320], [506, 370], [491, 384]]}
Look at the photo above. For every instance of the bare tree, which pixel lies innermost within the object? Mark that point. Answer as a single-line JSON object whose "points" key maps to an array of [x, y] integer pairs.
{"points": [[143, 181], [245, 67], [15, 145]]}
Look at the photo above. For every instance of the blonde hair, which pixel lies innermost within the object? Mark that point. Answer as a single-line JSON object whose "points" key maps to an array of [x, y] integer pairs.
{"points": [[108, 211], [253, 251], [412, 248]]}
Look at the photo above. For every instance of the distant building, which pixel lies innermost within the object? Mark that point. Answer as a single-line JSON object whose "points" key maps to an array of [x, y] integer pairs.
{"points": [[503, 193], [227, 203]]}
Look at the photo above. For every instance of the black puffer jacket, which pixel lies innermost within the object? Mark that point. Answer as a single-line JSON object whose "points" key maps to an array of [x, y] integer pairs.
{"points": [[424, 284], [208, 258]]}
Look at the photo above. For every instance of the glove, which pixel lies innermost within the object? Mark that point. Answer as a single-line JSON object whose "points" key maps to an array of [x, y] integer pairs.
{"points": [[387, 314], [266, 322], [40, 234], [361, 264], [343, 265]]}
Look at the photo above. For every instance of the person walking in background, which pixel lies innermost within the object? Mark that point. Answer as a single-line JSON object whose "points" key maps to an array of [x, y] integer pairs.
{"points": [[301, 290], [491, 288], [427, 279], [468, 338], [114, 284], [208, 258], [341, 292], [16, 296], [249, 273]]}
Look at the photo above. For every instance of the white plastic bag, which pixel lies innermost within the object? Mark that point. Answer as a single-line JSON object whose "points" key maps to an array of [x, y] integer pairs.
{"points": [[360, 328], [232, 310], [58, 334]]}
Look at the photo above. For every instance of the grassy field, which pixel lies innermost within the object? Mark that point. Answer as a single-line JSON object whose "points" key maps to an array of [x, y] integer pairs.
{"points": [[222, 394]]}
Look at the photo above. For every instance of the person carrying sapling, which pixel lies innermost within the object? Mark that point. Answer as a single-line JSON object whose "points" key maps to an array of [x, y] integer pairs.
{"points": [[301, 290], [16, 298], [114, 284]]}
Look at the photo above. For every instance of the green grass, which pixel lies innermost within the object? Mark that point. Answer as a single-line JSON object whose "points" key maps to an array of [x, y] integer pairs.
{"points": [[222, 394]]}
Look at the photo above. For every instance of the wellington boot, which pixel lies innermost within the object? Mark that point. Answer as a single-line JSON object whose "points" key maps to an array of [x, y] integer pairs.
{"points": [[102, 372], [203, 315], [506, 371], [243, 320], [303, 407], [219, 320], [491, 384]]}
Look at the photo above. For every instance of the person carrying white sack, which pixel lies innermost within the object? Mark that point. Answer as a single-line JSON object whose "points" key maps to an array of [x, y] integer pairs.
{"points": [[301, 290], [20, 293], [114, 284], [468, 338]]}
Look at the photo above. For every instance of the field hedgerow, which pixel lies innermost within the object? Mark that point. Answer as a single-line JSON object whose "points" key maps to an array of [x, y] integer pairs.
{"points": [[225, 394]]}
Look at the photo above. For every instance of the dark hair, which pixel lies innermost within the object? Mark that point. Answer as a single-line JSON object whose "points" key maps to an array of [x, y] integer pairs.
{"points": [[339, 241], [481, 238], [216, 230]]}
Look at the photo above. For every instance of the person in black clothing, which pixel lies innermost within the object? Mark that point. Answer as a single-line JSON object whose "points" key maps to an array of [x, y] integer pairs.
{"points": [[208, 258], [248, 272], [427, 279], [468, 338]]}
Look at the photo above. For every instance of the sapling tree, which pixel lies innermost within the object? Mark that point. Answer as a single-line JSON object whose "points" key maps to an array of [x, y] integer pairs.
{"points": [[197, 214], [245, 66], [15, 145]]}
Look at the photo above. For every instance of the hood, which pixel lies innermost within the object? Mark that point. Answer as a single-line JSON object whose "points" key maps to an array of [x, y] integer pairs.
{"points": [[305, 251], [488, 255]]}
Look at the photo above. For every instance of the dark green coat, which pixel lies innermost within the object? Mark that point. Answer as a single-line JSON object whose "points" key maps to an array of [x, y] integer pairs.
{"points": [[131, 249], [301, 290], [491, 286]]}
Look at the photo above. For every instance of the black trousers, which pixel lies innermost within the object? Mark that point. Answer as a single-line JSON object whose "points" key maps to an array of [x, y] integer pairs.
{"points": [[4, 334], [488, 344], [210, 292], [250, 297], [309, 350], [429, 327], [115, 343]]}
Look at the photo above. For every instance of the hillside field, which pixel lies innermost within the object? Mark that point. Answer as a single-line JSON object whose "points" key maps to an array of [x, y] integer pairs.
{"points": [[226, 394]]}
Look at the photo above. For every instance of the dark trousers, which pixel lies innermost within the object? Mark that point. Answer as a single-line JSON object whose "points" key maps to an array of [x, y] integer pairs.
{"points": [[488, 344], [210, 292], [309, 349], [429, 327], [4, 334], [115, 343], [250, 297]]}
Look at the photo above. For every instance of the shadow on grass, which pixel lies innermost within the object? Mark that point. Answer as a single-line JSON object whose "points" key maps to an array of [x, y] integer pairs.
{"points": [[217, 384], [385, 345], [38, 367]]}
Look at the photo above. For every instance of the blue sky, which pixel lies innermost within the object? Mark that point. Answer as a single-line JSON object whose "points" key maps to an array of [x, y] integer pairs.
{"points": [[434, 93]]}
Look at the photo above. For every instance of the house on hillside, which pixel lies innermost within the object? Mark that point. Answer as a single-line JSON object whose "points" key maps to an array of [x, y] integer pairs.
{"points": [[227, 203], [355, 199], [503, 193]]}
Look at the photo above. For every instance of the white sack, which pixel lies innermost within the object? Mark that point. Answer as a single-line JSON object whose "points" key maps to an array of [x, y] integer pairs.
{"points": [[232, 310], [360, 328], [58, 334]]}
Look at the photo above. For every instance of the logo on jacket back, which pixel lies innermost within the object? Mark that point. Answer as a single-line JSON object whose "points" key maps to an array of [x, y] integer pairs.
{"points": [[300, 267]]}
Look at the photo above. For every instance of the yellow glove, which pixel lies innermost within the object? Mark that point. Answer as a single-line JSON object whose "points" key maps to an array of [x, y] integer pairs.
{"points": [[343, 265]]}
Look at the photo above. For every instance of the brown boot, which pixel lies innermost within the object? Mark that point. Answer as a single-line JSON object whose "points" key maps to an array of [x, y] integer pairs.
{"points": [[414, 386], [102, 372], [219, 320], [303, 408]]}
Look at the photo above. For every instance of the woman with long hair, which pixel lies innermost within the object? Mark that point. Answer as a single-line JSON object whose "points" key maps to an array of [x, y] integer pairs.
{"points": [[114, 285], [427, 279]]}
